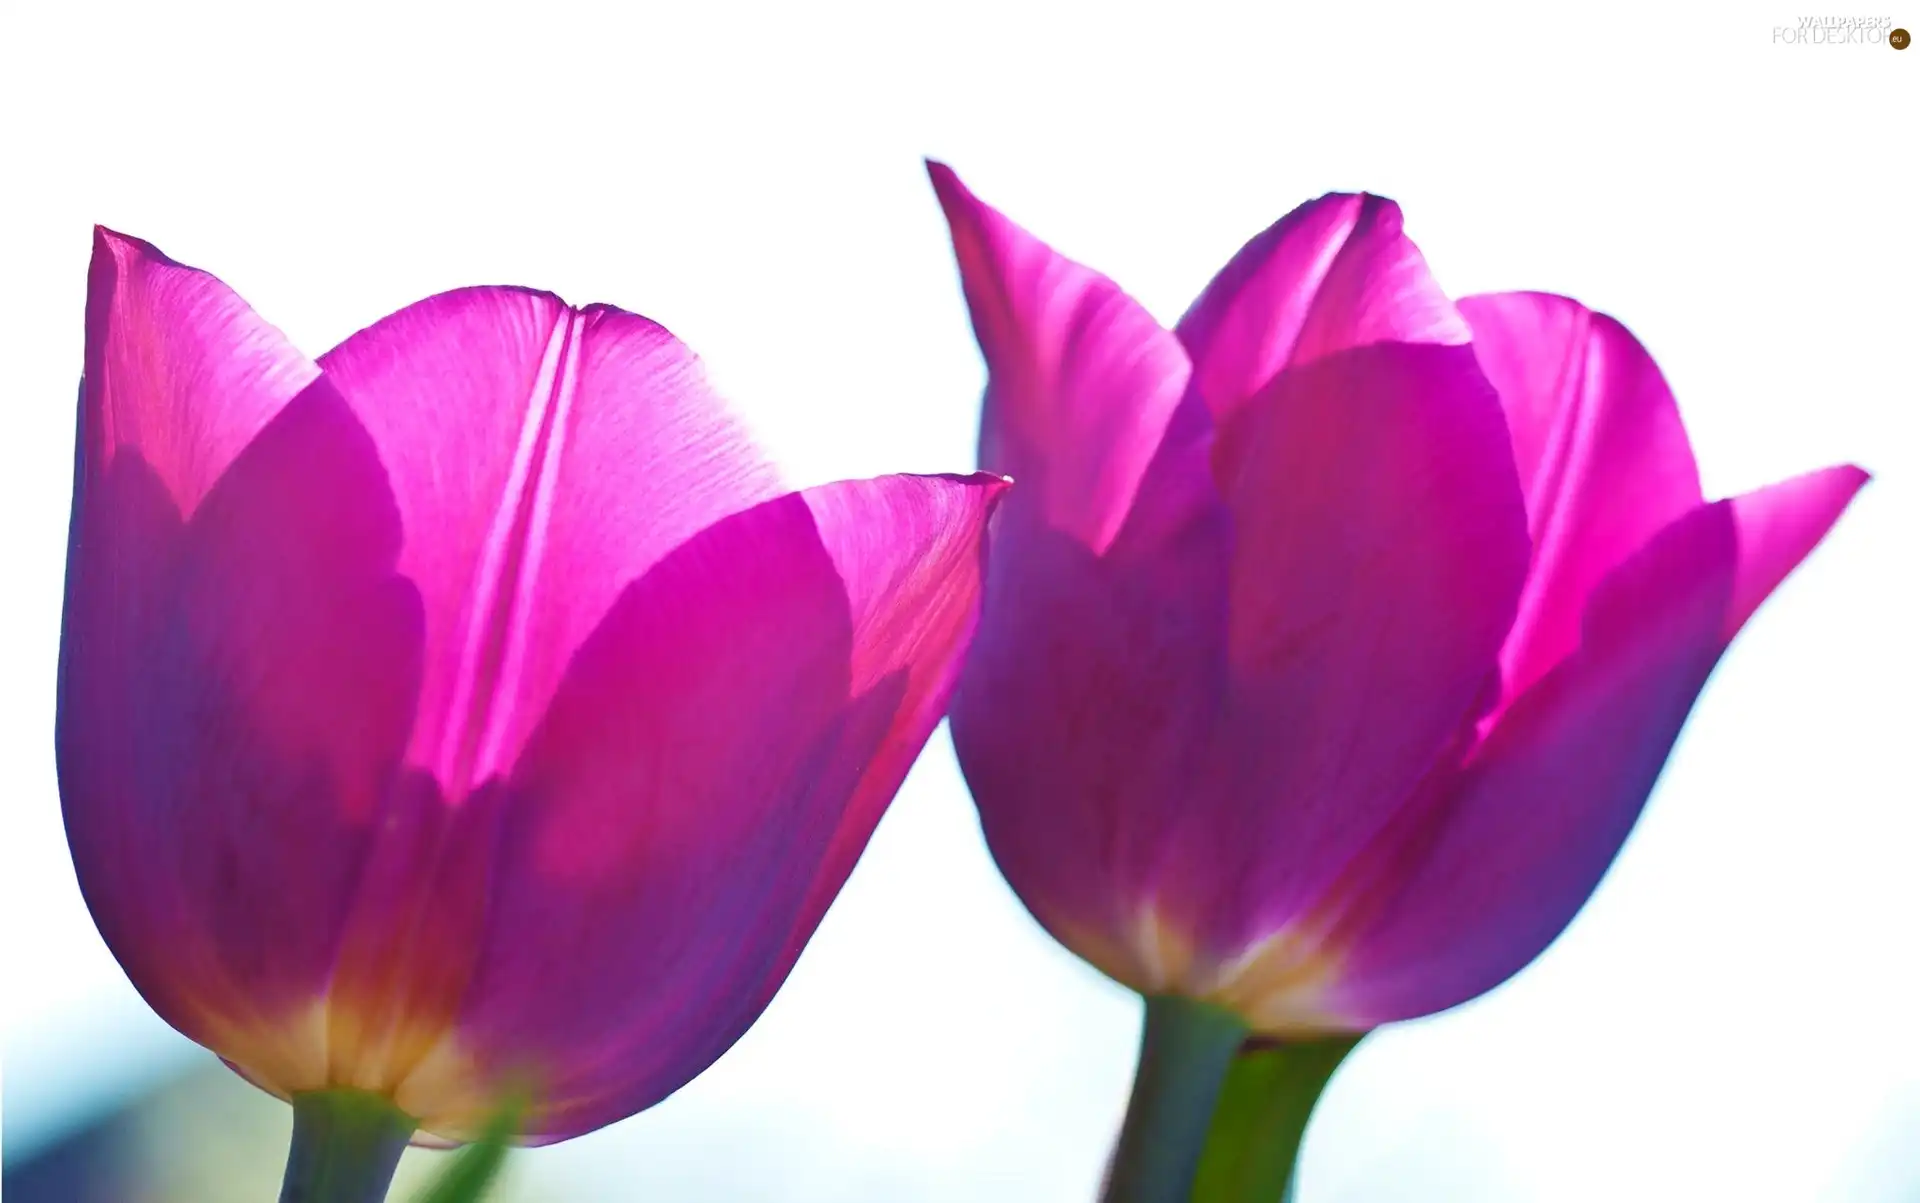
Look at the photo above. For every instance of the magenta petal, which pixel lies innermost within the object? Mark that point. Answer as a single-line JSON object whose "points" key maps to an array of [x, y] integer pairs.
{"points": [[179, 369], [1537, 817], [1778, 527], [1380, 546], [1088, 697], [1602, 457], [542, 457], [238, 660], [235, 692], [1081, 381], [913, 616], [1333, 274], [712, 762]]}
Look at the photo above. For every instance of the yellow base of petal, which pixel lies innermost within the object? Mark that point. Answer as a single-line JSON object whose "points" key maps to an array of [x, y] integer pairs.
{"points": [[1279, 986], [326, 1046]]}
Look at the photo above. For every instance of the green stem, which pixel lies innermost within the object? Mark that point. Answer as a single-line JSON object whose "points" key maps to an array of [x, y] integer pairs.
{"points": [[346, 1145], [1269, 1095], [1186, 1048]]}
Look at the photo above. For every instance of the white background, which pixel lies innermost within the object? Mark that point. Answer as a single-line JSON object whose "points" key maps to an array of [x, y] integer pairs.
{"points": [[1735, 1014]]}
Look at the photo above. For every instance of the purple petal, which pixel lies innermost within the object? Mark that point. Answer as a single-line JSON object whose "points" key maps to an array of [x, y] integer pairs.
{"points": [[180, 371], [543, 457], [1602, 457], [1527, 832], [1091, 691], [712, 763], [1081, 381], [914, 616], [1380, 546], [1335, 273], [238, 659]]}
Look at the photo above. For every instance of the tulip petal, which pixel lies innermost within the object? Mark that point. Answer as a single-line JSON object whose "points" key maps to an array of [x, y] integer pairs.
{"points": [[1603, 458], [1335, 273], [234, 695], [1532, 824], [237, 658], [1380, 546], [1081, 381], [179, 369], [712, 763], [542, 458], [915, 616], [1090, 692]]}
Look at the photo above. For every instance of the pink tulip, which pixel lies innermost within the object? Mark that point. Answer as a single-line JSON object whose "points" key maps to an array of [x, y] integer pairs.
{"points": [[471, 710], [1334, 639]]}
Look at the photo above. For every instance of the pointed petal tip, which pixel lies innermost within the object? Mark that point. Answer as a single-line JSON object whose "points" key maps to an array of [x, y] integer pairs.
{"points": [[996, 488], [1839, 485], [1828, 490], [953, 194], [1823, 491], [1779, 527], [942, 176], [109, 242], [991, 486], [967, 215], [979, 492]]}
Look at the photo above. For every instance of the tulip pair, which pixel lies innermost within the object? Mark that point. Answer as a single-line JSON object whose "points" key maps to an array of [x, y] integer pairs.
{"points": [[470, 713], [1334, 638]]}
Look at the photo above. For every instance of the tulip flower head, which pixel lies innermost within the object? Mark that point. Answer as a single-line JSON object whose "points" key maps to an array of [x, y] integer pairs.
{"points": [[1335, 637], [471, 710]]}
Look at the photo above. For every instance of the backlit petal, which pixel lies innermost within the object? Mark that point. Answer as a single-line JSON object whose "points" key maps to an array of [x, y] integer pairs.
{"points": [[179, 370], [1335, 273], [1537, 817], [1379, 549], [1091, 692], [543, 457], [1081, 381], [712, 763], [235, 692], [1602, 457]]}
